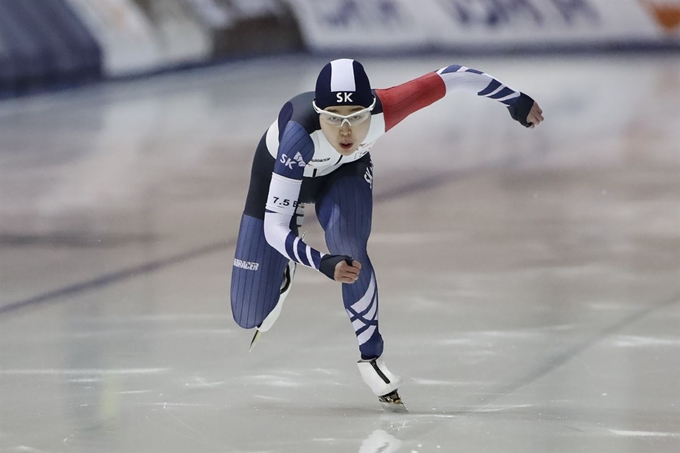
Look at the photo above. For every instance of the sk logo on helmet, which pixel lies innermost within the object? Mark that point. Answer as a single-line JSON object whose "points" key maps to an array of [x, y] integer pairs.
{"points": [[344, 97]]}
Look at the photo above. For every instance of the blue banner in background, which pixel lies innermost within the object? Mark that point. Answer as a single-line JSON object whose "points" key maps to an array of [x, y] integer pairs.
{"points": [[487, 26], [42, 43]]}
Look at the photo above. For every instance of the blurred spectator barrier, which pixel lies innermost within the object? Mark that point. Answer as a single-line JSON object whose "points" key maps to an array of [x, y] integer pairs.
{"points": [[249, 27], [139, 36], [44, 42], [48, 42], [487, 25]]}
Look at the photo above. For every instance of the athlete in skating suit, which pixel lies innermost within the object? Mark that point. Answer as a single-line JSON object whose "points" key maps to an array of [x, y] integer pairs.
{"points": [[317, 151]]}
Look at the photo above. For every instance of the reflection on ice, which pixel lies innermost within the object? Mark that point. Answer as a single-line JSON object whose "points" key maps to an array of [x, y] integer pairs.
{"points": [[380, 442]]}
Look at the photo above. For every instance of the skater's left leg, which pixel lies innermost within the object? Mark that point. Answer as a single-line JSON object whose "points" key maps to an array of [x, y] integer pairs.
{"points": [[345, 208]]}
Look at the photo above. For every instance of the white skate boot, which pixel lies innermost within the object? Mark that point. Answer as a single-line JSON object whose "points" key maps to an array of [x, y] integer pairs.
{"points": [[383, 383]]}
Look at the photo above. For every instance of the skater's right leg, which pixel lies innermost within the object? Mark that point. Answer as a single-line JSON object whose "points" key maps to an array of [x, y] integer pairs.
{"points": [[257, 275]]}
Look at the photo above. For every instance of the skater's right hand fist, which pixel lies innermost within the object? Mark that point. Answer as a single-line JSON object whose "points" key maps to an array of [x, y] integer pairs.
{"points": [[341, 268], [347, 273]]}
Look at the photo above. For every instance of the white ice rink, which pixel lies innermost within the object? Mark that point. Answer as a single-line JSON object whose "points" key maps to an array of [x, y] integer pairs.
{"points": [[529, 280]]}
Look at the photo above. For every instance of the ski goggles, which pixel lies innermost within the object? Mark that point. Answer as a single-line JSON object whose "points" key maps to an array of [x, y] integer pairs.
{"points": [[337, 120]]}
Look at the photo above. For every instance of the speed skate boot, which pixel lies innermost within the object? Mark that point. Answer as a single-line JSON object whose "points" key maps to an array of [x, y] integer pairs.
{"points": [[288, 274], [383, 383]]}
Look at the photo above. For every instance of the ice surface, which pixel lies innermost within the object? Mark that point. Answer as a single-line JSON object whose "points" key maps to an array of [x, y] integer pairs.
{"points": [[528, 279]]}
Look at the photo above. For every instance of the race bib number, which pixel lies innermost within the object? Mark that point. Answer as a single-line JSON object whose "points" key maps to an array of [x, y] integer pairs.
{"points": [[283, 195]]}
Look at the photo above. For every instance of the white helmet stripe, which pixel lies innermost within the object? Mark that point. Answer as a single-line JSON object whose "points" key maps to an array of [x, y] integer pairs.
{"points": [[342, 75]]}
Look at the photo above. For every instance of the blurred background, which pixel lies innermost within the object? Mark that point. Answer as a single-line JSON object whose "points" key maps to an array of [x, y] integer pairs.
{"points": [[57, 43], [529, 280]]}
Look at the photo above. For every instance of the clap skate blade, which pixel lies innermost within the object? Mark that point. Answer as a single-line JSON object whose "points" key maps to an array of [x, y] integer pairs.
{"points": [[255, 338], [392, 402]]}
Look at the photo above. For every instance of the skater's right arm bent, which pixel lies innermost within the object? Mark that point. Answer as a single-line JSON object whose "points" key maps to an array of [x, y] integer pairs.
{"points": [[296, 149]]}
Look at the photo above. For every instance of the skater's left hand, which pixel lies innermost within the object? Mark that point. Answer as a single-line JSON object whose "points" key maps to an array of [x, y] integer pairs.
{"points": [[526, 111], [535, 116]]}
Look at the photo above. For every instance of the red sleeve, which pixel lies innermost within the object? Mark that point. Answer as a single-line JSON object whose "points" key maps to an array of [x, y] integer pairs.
{"points": [[400, 101]]}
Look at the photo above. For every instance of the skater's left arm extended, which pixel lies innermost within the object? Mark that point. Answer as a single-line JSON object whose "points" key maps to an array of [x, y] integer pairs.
{"points": [[402, 100], [296, 149]]}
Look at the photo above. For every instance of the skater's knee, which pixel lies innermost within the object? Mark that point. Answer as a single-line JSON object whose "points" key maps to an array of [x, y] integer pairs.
{"points": [[249, 310], [242, 313], [244, 323]]}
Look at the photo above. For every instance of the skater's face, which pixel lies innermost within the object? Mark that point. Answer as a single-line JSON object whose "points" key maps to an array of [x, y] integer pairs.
{"points": [[345, 126]]}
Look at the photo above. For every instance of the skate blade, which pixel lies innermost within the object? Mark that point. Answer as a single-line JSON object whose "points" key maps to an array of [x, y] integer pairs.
{"points": [[397, 408], [255, 338], [392, 402]]}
